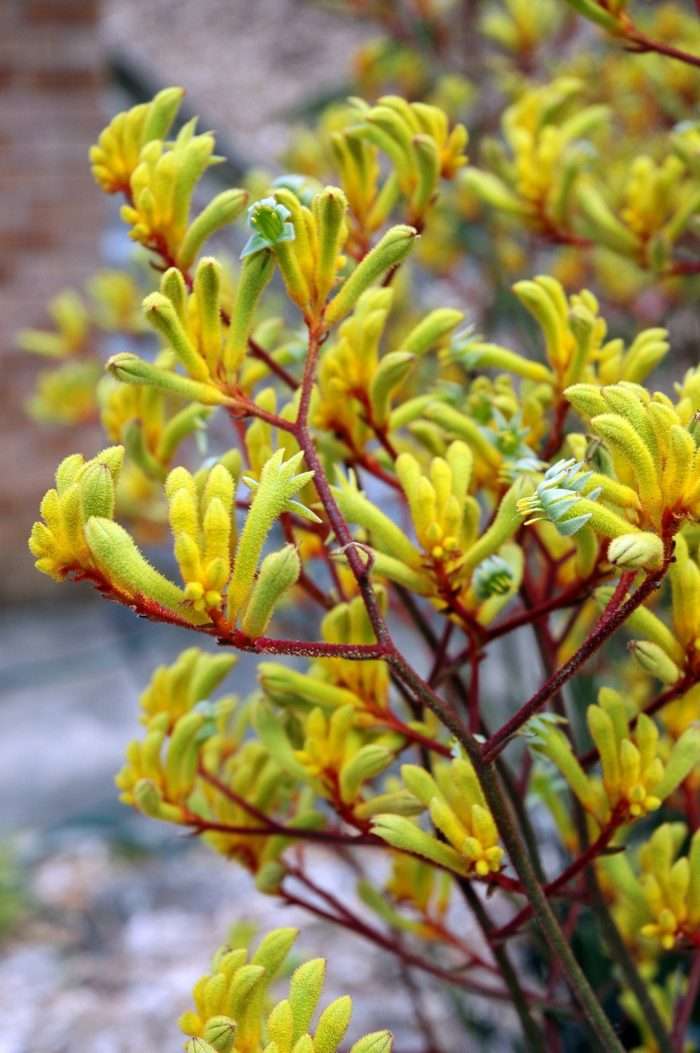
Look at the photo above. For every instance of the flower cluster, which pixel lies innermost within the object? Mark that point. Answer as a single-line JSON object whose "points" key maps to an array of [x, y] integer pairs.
{"points": [[353, 478]]}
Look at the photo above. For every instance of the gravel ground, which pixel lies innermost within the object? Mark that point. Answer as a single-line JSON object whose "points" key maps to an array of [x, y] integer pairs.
{"points": [[108, 959], [122, 914]]}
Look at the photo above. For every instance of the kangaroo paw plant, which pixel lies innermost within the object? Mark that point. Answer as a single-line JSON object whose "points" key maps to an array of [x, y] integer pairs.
{"points": [[390, 504]]}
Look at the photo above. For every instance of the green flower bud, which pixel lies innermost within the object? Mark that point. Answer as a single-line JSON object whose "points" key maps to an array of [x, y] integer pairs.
{"points": [[96, 491], [329, 208], [369, 761], [305, 990], [220, 1032], [391, 250], [404, 834], [269, 878], [654, 660], [492, 190], [269, 219], [161, 314], [256, 271], [274, 948], [377, 1042], [161, 114], [279, 483], [198, 1045], [124, 566], [172, 285], [637, 551], [221, 210], [131, 369], [207, 291], [490, 356], [278, 572], [427, 161], [684, 757], [506, 522], [332, 1025], [602, 223]]}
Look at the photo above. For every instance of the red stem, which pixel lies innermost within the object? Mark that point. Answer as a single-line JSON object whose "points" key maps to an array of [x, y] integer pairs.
{"points": [[611, 619], [592, 851]]}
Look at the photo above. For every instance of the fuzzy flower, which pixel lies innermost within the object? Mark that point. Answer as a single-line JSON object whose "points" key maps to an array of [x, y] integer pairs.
{"points": [[556, 495]]}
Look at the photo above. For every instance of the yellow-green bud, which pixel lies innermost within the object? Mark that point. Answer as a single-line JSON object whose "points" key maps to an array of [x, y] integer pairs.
{"points": [[221, 210], [161, 314], [377, 1042], [428, 171], [329, 209], [404, 834], [278, 572], [96, 491], [684, 757], [207, 289], [256, 271], [131, 369], [220, 1032], [172, 285], [654, 660], [391, 250], [332, 1025], [637, 551], [305, 990], [161, 113], [124, 566], [492, 190], [369, 761]]}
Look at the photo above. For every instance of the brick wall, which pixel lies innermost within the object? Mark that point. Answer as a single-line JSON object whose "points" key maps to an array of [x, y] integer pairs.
{"points": [[50, 221]]}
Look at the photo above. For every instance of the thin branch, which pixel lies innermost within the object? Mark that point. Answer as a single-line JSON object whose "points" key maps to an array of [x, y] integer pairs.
{"points": [[614, 615]]}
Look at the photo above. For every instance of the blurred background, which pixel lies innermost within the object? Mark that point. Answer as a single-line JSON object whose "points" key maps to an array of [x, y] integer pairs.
{"points": [[107, 918]]}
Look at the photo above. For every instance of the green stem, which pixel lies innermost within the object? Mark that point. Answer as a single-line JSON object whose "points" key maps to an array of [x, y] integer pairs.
{"points": [[519, 856], [617, 948], [532, 1033]]}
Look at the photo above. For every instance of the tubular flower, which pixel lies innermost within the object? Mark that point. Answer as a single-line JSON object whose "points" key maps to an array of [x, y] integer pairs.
{"points": [[419, 144], [557, 495], [335, 756], [457, 808], [655, 891], [72, 327], [414, 900], [536, 173], [202, 530], [348, 623], [231, 1006], [635, 780], [83, 489], [161, 188], [575, 337], [671, 889], [79, 535], [659, 201], [141, 419], [348, 367], [175, 689], [650, 448], [307, 243], [118, 149], [440, 506], [193, 766], [161, 769]]}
